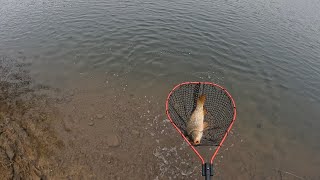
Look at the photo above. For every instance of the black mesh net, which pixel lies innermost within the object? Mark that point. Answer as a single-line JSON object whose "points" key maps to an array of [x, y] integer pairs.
{"points": [[183, 101]]}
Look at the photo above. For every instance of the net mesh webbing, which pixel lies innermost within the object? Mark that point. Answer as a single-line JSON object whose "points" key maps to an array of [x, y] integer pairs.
{"points": [[182, 102]]}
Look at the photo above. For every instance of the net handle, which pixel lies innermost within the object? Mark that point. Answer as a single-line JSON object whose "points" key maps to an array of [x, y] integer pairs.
{"points": [[184, 137]]}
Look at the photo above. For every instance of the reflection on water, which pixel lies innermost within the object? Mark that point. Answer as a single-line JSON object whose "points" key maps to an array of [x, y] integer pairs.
{"points": [[265, 53]]}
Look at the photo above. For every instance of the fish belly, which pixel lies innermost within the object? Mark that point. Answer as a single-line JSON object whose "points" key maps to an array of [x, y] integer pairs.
{"points": [[196, 122]]}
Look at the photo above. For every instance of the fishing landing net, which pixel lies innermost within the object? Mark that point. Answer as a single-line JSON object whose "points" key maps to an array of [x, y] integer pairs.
{"points": [[219, 105], [220, 116]]}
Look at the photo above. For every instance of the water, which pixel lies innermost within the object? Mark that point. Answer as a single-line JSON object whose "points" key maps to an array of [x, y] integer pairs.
{"points": [[266, 53]]}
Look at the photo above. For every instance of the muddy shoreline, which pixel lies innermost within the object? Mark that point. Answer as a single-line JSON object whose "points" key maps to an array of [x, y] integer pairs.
{"points": [[27, 140]]}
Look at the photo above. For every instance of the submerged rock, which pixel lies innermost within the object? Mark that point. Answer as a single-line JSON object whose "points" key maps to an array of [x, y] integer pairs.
{"points": [[259, 125], [135, 132], [113, 140], [91, 123], [99, 116]]}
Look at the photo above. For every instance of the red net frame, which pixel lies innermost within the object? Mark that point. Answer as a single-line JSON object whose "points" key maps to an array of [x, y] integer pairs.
{"points": [[219, 104]]}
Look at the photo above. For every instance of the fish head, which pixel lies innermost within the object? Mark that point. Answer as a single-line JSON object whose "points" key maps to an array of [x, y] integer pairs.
{"points": [[196, 137]]}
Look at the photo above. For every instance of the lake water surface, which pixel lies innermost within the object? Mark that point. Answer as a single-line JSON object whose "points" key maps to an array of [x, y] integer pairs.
{"points": [[266, 53]]}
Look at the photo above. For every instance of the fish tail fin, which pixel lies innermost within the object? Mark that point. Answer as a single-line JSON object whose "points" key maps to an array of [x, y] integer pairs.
{"points": [[202, 99]]}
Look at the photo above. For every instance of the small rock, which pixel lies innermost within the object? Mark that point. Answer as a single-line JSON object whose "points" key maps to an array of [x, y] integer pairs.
{"points": [[135, 132], [113, 140], [141, 135], [7, 120], [60, 99], [68, 100], [71, 93], [91, 123], [10, 153], [259, 125], [99, 116]]}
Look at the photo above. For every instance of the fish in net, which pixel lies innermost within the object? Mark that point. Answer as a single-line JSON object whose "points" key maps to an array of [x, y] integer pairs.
{"points": [[220, 107]]}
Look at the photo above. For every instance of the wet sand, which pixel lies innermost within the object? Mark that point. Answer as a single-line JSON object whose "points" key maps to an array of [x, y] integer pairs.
{"points": [[150, 145]]}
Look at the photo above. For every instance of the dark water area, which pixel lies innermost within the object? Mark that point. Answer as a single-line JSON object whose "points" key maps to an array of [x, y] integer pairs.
{"points": [[266, 53]]}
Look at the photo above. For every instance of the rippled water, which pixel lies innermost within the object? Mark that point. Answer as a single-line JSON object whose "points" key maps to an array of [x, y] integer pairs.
{"points": [[266, 53]]}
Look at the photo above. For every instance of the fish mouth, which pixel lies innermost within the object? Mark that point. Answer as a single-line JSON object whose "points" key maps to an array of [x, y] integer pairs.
{"points": [[196, 142]]}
